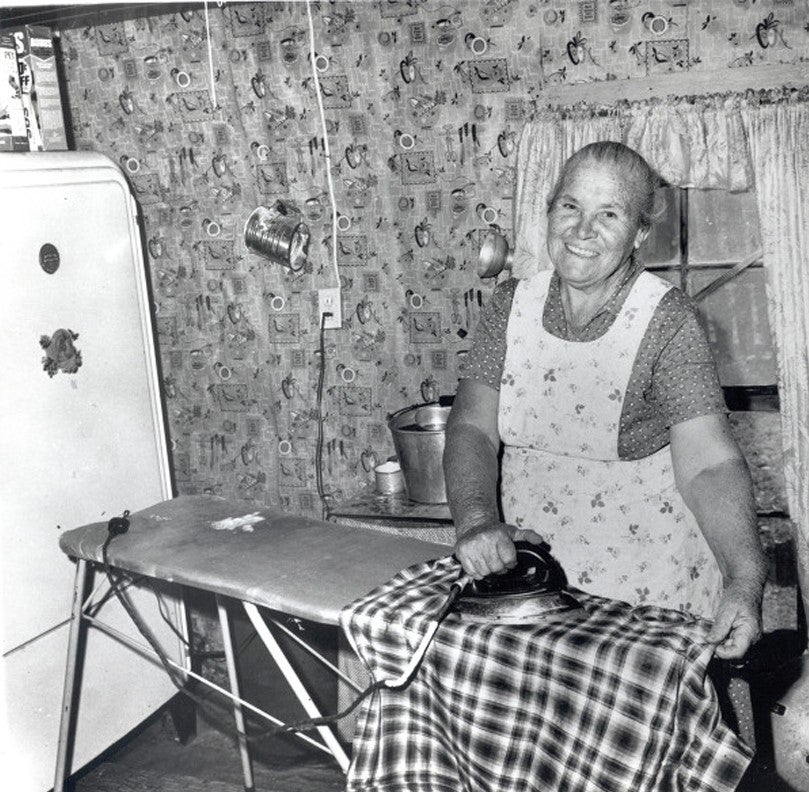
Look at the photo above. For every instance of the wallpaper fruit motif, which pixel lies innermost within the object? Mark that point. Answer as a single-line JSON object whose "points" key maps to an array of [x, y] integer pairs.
{"points": [[423, 103]]}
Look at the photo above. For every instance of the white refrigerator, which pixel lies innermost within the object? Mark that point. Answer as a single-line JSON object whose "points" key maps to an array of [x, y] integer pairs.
{"points": [[81, 439]]}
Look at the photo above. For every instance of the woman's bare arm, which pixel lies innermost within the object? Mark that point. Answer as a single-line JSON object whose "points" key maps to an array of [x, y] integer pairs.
{"points": [[484, 544], [712, 476]]}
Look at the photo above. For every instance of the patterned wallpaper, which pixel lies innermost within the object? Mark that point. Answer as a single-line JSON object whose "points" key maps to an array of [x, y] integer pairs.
{"points": [[423, 102]]}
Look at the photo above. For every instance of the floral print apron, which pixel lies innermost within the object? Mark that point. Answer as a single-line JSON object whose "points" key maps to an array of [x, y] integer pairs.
{"points": [[619, 527]]}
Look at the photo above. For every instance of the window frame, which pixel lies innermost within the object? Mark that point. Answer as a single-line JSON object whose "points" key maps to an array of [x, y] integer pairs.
{"points": [[738, 398]]}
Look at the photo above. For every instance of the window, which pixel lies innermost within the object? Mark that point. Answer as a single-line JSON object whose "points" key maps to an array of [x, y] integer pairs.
{"points": [[701, 236]]}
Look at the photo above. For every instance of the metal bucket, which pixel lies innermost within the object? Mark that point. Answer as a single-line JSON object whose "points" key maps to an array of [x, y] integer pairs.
{"points": [[418, 437]]}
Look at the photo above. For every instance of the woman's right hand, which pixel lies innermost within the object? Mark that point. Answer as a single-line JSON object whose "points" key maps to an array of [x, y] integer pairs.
{"points": [[489, 549]]}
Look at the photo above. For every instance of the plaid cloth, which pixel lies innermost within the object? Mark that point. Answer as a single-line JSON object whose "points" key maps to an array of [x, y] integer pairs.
{"points": [[618, 702]]}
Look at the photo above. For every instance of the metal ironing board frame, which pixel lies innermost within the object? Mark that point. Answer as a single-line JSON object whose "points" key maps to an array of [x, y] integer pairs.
{"points": [[83, 606], [84, 545]]}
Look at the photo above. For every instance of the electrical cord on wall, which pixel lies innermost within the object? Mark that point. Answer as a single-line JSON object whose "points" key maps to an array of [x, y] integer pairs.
{"points": [[120, 525], [324, 506]]}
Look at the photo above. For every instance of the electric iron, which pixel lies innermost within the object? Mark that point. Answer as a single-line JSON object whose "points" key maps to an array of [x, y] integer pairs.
{"points": [[534, 591]]}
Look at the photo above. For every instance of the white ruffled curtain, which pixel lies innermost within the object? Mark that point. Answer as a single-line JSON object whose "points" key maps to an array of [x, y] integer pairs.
{"points": [[779, 153], [732, 143]]}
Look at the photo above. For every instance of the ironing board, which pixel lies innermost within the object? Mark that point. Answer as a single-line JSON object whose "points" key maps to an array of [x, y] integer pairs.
{"points": [[299, 566]]}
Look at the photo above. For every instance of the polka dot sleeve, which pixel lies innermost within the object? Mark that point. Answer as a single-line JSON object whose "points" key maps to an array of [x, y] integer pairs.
{"points": [[484, 361], [673, 378], [685, 383]]}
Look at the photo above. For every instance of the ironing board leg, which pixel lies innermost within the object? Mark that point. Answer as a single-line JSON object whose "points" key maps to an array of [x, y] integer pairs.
{"points": [[295, 683], [71, 669], [227, 641]]}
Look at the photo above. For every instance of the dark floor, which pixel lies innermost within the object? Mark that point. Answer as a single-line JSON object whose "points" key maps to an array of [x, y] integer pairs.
{"points": [[156, 761]]}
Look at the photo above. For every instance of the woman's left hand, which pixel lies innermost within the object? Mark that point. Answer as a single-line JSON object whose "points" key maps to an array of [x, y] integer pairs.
{"points": [[737, 624]]}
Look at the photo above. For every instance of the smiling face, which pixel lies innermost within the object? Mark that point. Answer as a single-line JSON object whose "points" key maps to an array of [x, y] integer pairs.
{"points": [[593, 226]]}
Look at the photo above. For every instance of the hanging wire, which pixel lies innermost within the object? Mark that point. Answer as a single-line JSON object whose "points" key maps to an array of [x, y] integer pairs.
{"points": [[326, 149], [210, 57]]}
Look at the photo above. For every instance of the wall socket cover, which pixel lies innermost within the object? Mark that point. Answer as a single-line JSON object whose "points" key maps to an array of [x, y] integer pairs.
{"points": [[329, 301]]}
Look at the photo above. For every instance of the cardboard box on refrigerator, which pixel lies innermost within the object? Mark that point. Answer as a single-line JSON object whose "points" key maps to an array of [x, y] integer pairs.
{"points": [[45, 88], [13, 134]]}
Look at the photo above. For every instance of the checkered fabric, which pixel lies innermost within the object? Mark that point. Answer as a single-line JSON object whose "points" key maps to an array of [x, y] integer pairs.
{"points": [[618, 702]]}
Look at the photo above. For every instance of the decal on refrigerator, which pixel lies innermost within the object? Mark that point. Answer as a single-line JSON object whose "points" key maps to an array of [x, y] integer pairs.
{"points": [[60, 352]]}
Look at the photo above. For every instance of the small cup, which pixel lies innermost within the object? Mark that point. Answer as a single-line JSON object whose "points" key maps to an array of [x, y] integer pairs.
{"points": [[321, 63], [389, 479], [343, 223]]}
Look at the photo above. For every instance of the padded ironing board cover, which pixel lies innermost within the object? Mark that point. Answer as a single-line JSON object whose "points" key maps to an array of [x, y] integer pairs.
{"points": [[298, 565]]}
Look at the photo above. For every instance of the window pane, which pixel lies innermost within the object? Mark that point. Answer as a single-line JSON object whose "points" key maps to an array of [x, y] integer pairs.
{"points": [[738, 328], [662, 246], [722, 226]]}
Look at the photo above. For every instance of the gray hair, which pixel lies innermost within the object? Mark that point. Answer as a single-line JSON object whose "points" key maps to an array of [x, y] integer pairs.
{"points": [[640, 177]]}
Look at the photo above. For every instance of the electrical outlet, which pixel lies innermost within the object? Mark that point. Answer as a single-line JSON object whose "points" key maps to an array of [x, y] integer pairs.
{"points": [[328, 301]]}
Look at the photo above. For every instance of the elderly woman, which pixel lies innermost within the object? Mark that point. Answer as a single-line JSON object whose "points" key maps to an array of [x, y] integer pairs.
{"points": [[597, 379]]}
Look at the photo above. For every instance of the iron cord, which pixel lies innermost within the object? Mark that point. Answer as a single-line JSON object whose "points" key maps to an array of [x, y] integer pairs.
{"points": [[205, 703]]}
